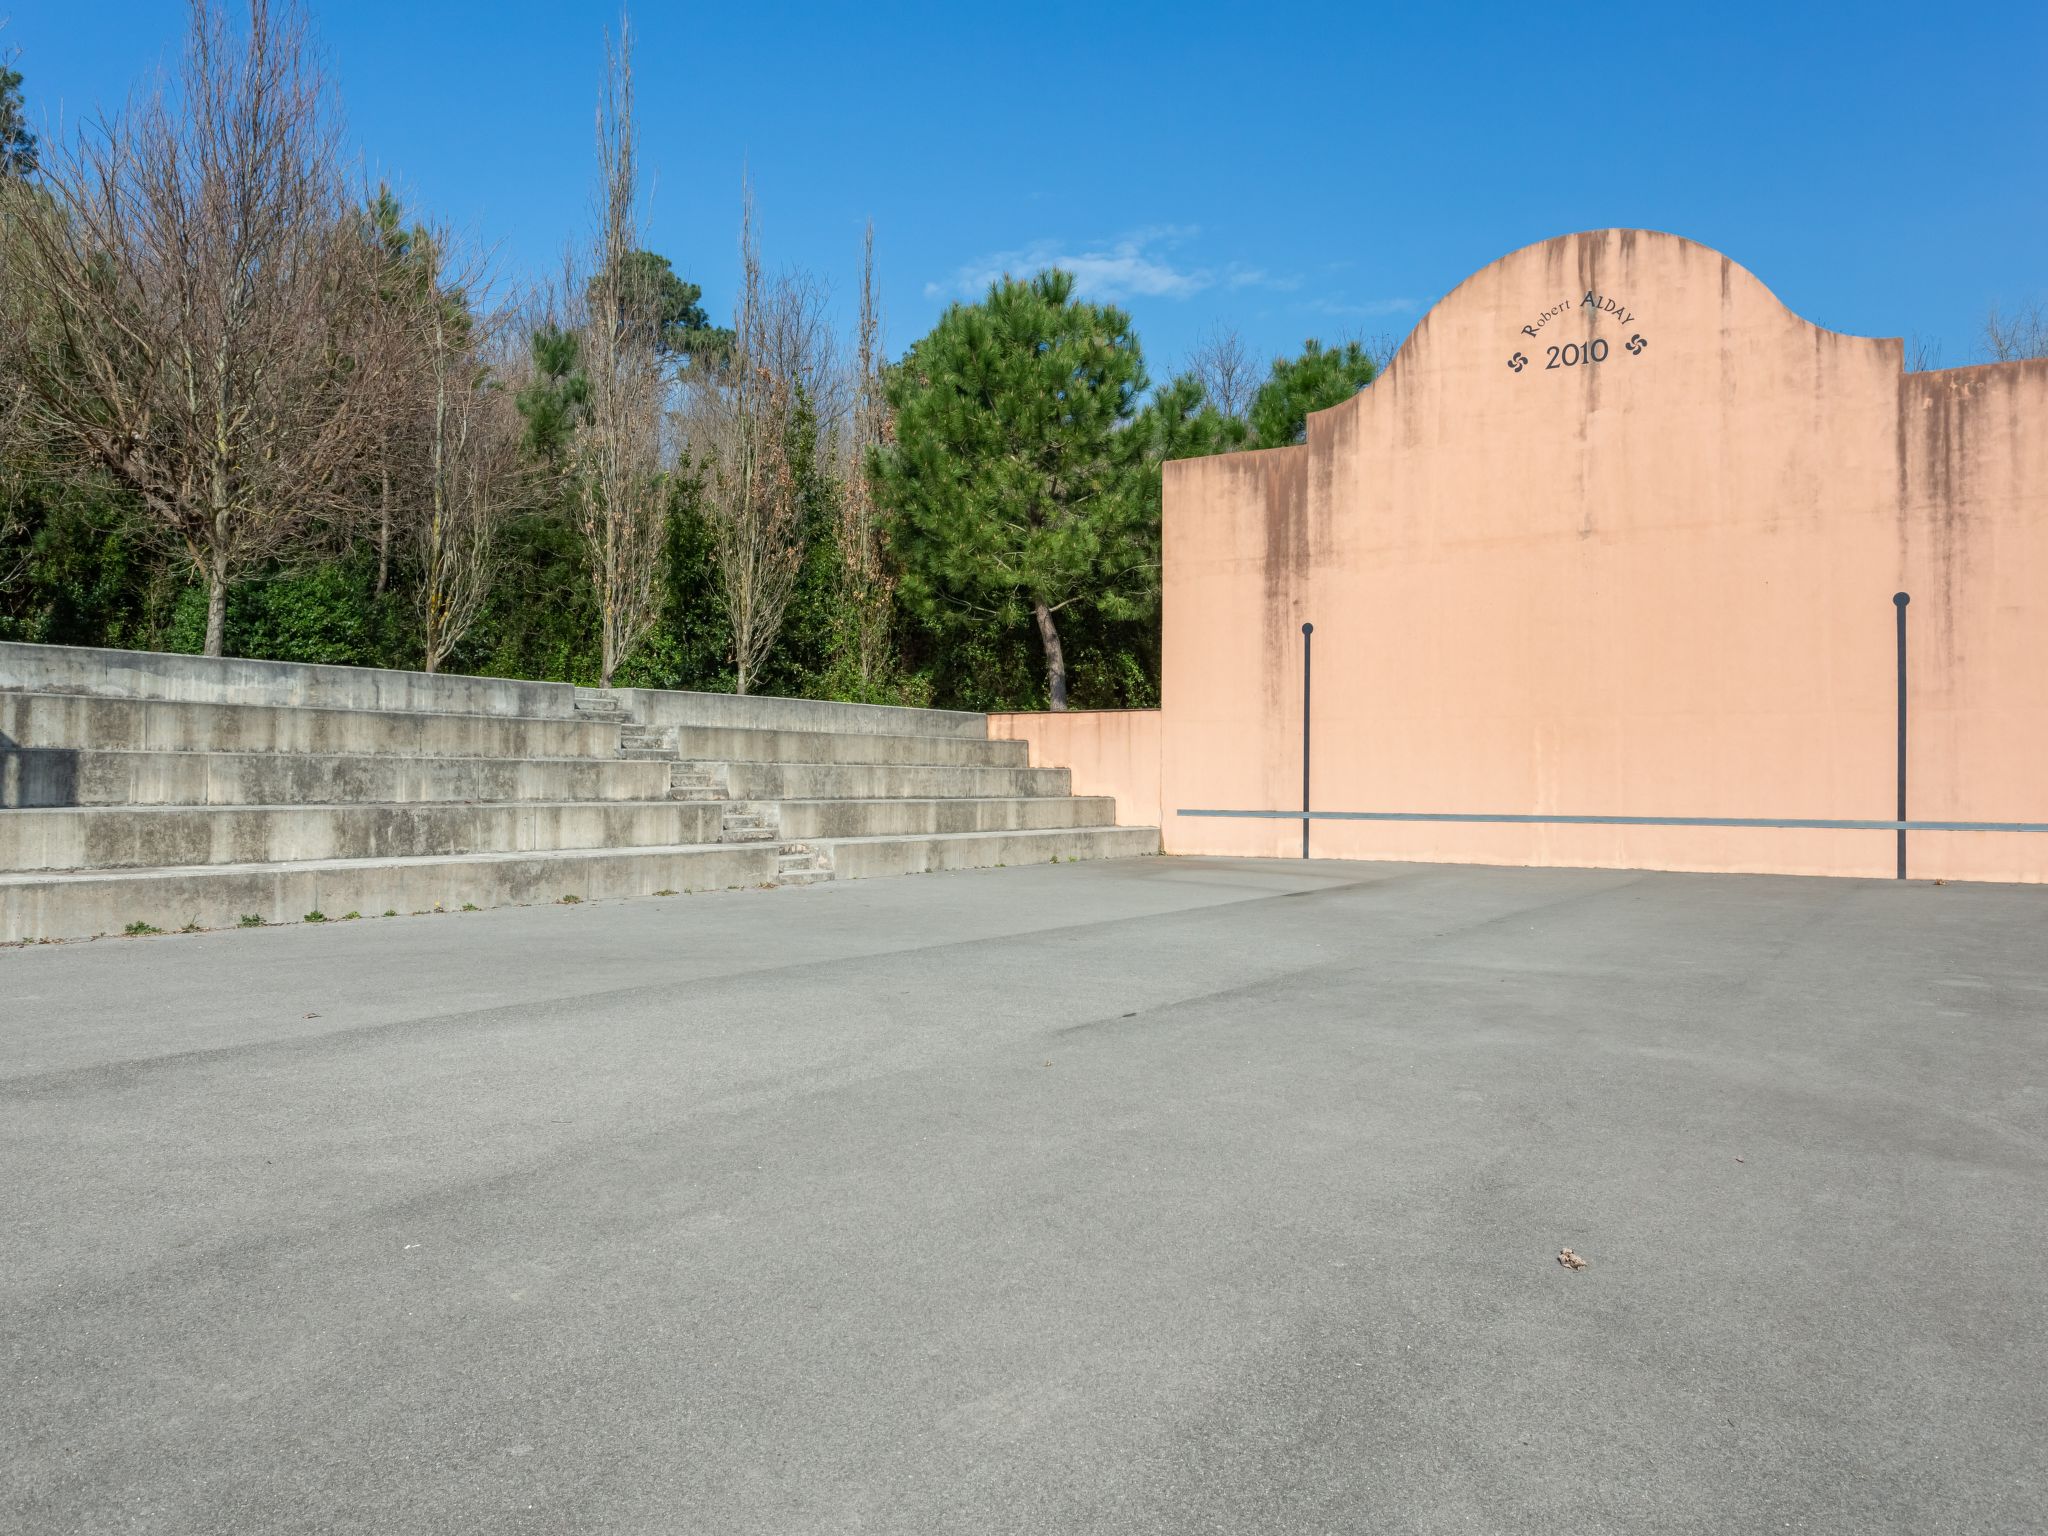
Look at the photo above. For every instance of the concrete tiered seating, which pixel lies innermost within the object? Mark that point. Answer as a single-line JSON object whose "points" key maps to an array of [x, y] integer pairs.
{"points": [[174, 792]]}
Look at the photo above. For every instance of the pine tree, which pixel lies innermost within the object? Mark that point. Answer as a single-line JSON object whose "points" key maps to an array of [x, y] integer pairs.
{"points": [[17, 144], [1320, 378], [1016, 487]]}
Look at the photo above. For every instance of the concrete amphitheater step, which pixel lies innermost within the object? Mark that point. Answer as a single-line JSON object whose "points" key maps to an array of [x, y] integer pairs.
{"points": [[877, 781], [177, 725], [299, 685], [152, 836], [907, 817], [724, 744], [864, 858], [291, 684], [65, 776], [756, 712], [37, 906]]}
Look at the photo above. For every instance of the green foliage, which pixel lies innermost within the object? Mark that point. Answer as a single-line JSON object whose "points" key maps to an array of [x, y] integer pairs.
{"points": [[1318, 379], [326, 612], [807, 646], [681, 328], [77, 568], [1180, 422], [1013, 483], [1024, 470], [554, 402], [17, 144]]}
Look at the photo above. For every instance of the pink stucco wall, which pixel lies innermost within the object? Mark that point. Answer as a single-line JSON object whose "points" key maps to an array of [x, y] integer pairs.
{"points": [[1655, 583], [1112, 752]]}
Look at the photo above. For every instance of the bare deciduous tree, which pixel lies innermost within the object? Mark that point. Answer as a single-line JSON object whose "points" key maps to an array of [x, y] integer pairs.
{"points": [[866, 589], [618, 447], [464, 412], [1229, 374], [186, 311], [2022, 333], [743, 418], [15, 449]]}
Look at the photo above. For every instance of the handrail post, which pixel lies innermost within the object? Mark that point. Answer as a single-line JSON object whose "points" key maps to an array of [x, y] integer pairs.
{"points": [[1899, 601], [1307, 631]]}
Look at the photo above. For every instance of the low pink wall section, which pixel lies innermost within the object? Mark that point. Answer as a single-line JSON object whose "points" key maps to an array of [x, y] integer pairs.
{"points": [[1111, 752]]}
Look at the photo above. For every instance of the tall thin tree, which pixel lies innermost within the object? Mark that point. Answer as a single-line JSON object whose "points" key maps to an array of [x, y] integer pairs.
{"points": [[470, 429], [743, 419], [618, 445], [867, 590]]}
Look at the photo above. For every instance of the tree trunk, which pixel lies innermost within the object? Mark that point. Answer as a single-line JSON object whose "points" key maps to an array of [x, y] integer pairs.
{"points": [[384, 526], [1055, 658], [216, 611]]}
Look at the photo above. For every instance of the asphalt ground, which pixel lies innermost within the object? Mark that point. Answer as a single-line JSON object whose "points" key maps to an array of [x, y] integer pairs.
{"points": [[1157, 1196]]}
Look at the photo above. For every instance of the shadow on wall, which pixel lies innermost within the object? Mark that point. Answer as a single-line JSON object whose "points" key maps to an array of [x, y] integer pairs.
{"points": [[32, 777]]}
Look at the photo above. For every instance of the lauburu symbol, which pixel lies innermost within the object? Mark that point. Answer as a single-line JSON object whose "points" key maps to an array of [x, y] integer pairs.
{"points": [[1636, 343], [1518, 362]]}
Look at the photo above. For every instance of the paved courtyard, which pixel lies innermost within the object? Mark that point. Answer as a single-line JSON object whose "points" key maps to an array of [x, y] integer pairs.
{"points": [[1159, 1196]]}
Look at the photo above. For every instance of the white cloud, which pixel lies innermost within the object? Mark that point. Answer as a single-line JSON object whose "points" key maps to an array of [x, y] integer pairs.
{"points": [[1367, 308], [1141, 264]]}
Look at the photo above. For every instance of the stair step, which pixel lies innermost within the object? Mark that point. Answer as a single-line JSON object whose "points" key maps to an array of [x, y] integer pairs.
{"points": [[142, 837], [727, 744], [814, 820], [89, 723], [80, 905], [122, 779], [77, 905], [746, 780], [216, 681], [862, 858]]}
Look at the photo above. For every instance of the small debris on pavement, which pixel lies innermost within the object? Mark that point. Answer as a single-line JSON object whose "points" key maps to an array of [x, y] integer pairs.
{"points": [[1569, 1259]]}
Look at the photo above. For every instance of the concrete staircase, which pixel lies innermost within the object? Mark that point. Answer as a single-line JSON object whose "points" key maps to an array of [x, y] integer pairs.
{"points": [[142, 792]]}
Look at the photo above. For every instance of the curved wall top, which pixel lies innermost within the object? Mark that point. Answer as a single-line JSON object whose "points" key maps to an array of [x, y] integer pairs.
{"points": [[1575, 267], [1617, 533]]}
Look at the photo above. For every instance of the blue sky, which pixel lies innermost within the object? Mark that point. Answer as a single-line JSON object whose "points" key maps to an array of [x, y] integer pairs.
{"points": [[1290, 171]]}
